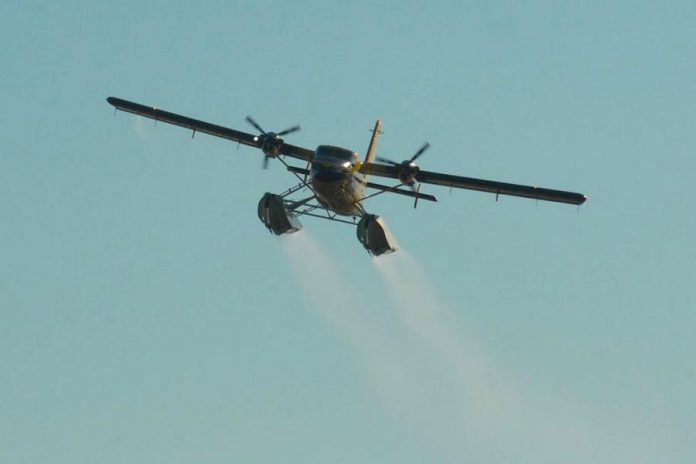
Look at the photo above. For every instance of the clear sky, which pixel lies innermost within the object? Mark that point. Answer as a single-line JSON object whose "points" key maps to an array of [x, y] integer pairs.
{"points": [[146, 315]]}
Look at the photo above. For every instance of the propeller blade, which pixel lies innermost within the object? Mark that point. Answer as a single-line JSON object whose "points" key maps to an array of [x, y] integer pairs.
{"points": [[420, 152], [385, 160], [289, 131], [417, 191], [251, 121]]}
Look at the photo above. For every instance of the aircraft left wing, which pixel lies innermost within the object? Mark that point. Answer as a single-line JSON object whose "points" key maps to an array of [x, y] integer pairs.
{"points": [[470, 183], [204, 127]]}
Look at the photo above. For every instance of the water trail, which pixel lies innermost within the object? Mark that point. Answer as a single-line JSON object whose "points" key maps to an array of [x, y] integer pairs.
{"points": [[435, 377], [434, 324], [472, 397], [397, 366], [331, 296], [488, 414], [323, 285], [143, 127]]}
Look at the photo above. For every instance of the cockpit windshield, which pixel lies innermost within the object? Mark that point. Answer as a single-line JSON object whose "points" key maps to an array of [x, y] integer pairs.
{"points": [[328, 151]]}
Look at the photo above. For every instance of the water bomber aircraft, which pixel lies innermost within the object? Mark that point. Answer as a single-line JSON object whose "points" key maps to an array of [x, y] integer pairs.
{"points": [[334, 182]]}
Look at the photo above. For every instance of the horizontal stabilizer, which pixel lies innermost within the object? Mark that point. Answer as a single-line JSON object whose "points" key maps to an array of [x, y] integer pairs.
{"points": [[408, 193], [301, 171]]}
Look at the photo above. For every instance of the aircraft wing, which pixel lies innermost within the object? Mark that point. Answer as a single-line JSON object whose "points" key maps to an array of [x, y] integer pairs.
{"points": [[204, 127], [469, 183]]}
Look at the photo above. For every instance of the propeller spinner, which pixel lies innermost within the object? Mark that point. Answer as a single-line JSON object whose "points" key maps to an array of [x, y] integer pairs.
{"points": [[271, 142]]}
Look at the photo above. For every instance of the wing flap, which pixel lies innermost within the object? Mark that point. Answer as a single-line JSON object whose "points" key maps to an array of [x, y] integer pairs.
{"points": [[397, 190]]}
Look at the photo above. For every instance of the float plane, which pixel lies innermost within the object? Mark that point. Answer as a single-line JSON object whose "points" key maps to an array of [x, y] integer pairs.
{"points": [[336, 180]]}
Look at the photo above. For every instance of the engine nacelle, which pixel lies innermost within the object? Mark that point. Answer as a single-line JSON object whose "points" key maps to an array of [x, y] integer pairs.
{"points": [[375, 236], [276, 217], [271, 144], [408, 172]]}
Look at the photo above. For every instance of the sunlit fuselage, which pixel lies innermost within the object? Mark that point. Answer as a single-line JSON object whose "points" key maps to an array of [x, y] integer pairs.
{"points": [[335, 180]]}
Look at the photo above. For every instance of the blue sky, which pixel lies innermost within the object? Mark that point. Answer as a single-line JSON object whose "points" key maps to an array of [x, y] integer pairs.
{"points": [[147, 315]]}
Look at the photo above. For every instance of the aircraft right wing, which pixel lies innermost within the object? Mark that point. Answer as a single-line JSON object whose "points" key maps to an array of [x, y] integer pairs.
{"points": [[470, 183]]}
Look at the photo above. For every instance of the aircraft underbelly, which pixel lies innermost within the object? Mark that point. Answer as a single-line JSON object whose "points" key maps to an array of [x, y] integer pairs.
{"points": [[337, 191]]}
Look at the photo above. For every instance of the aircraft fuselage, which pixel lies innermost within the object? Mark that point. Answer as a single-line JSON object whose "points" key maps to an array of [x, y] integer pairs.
{"points": [[335, 180]]}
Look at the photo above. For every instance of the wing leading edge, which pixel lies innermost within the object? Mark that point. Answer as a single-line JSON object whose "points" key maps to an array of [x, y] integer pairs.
{"points": [[469, 183], [204, 127]]}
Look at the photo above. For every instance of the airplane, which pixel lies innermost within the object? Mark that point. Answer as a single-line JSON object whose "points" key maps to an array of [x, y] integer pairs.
{"points": [[336, 179]]}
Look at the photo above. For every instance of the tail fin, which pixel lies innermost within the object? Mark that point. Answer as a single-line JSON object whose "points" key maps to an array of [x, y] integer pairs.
{"points": [[373, 142]]}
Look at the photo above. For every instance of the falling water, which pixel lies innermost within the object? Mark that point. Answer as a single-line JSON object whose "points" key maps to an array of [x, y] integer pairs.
{"points": [[432, 373]]}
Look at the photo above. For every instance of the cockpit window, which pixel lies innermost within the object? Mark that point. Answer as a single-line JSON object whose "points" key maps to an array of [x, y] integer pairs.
{"points": [[328, 151]]}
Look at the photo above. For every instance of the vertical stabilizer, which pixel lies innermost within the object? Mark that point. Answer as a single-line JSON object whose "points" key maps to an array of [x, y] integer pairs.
{"points": [[369, 157]]}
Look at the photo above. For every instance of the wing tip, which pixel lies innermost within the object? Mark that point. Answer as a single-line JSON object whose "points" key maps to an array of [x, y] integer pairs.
{"points": [[120, 102]]}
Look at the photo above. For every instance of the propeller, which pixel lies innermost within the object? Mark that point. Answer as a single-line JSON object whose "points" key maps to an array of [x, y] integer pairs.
{"points": [[408, 168], [271, 142]]}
